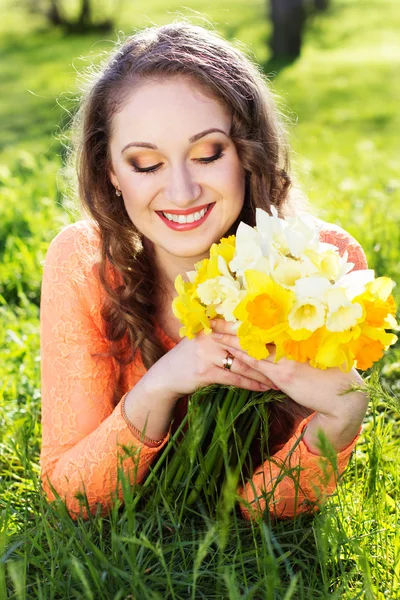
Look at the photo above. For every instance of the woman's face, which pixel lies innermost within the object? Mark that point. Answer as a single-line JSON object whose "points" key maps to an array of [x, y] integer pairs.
{"points": [[171, 168]]}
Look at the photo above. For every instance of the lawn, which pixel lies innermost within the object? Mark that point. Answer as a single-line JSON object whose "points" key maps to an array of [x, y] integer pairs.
{"points": [[340, 100]]}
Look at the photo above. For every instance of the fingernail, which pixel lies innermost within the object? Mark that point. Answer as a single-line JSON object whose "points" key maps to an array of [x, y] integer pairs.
{"points": [[264, 387], [217, 336]]}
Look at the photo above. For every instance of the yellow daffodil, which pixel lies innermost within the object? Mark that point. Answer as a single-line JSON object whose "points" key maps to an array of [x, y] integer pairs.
{"points": [[303, 350], [263, 312], [378, 302], [253, 340], [225, 248], [334, 351], [188, 309], [366, 351], [206, 269]]}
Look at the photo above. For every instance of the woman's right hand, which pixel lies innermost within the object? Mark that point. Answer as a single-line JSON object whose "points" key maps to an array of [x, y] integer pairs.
{"points": [[196, 363]]}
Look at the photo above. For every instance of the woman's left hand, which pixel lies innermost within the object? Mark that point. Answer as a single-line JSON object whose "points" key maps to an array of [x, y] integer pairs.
{"points": [[319, 390]]}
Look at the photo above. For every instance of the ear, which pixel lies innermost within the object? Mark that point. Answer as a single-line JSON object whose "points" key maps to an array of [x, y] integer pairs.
{"points": [[113, 178]]}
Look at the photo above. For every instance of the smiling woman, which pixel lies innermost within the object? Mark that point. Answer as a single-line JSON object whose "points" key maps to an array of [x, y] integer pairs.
{"points": [[176, 141], [197, 180]]}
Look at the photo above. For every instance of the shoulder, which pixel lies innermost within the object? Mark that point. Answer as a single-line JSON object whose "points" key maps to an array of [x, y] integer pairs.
{"points": [[75, 248], [331, 233]]}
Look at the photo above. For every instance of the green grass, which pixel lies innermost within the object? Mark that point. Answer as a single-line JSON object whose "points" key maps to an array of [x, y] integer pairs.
{"points": [[341, 97]]}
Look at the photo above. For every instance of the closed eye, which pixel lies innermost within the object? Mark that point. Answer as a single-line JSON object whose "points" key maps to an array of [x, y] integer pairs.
{"points": [[201, 161]]}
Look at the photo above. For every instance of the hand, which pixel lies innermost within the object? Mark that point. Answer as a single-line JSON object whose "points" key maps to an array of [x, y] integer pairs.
{"points": [[317, 389], [198, 362]]}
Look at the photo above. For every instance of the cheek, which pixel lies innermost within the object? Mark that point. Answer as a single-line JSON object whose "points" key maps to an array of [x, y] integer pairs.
{"points": [[138, 191], [229, 181], [236, 183]]}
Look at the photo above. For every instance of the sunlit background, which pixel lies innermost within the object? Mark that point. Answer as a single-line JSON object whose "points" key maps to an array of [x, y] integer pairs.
{"points": [[337, 81]]}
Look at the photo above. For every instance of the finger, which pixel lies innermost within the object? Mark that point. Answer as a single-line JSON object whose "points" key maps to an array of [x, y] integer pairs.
{"points": [[232, 341], [265, 366], [226, 377], [222, 326], [240, 368], [250, 368], [226, 339]]}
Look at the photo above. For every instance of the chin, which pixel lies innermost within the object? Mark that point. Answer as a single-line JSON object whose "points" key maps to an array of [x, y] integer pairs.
{"points": [[190, 252]]}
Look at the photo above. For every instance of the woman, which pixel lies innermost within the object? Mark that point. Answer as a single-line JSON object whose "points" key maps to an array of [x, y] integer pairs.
{"points": [[177, 140]]}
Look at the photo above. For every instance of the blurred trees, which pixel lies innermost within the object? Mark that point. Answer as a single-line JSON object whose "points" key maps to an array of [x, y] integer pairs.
{"points": [[86, 17], [288, 19], [321, 4]]}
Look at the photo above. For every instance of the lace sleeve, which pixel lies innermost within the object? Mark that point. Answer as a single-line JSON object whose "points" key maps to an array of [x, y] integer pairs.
{"points": [[82, 427], [295, 480], [333, 234]]}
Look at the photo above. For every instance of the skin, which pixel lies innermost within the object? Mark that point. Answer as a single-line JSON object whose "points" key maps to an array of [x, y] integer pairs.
{"points": [[171, 112]]}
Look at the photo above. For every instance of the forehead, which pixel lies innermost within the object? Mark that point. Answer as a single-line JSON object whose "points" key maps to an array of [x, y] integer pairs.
{"points": [[175, 108]]}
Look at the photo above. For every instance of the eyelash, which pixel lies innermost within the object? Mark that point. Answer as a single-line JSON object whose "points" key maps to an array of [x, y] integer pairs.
{"points": [[202, 161]]}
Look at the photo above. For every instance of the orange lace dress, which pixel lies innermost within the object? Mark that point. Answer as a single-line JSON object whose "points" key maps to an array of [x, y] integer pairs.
{"points": [[83, 430]]}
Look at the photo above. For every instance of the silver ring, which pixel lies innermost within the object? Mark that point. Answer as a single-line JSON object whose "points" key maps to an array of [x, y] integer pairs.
{"points": [[227, 362]]}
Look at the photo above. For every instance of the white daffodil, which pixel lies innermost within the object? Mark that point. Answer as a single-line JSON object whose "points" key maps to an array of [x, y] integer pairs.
{"points": [[354, 283], [223, 268], [191, 275], [314, 286], [286, 271], [223, 293], [382, 287], [307, 313], [300, 234], [342, 312], [271, 230], [247, 249], [231, 301]]}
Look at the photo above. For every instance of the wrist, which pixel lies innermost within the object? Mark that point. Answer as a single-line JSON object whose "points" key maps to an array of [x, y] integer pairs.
{"points": [[155, 386], [134, 430], [346, 408], [341, 426]]}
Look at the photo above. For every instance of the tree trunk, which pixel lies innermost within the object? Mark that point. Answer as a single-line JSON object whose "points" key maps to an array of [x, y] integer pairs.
{"points": [[288, 18], [54, 14], [321, 5], [85, 14]]}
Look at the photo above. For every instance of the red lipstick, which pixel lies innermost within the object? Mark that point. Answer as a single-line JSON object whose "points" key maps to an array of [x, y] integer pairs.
{"points": [[187, 211], [186, 226]]}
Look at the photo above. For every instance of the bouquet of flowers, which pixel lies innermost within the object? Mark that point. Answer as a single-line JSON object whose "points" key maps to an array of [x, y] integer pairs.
{"points": [[280, 285]]}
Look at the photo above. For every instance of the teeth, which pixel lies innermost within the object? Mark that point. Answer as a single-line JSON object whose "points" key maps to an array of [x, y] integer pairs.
{"points": [[186, 218]]}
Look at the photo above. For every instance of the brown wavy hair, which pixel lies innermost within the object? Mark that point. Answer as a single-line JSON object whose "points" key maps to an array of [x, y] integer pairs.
{"points": [[226, 74]]}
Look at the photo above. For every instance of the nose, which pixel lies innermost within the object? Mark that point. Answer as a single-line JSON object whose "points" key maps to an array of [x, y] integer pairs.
{"points": [[181, 189]]}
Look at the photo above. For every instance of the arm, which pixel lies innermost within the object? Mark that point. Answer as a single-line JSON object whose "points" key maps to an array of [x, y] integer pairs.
{"points": [[309, 477], [294, 480], [82, 425]]}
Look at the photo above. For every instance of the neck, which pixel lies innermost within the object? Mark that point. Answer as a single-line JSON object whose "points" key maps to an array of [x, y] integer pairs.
{"points": [[169, 267]]}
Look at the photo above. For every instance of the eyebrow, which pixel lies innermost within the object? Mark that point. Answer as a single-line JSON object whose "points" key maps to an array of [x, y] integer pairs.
{"points": [[193, 139]]}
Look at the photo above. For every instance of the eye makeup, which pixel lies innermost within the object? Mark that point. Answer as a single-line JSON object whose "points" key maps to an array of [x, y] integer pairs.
{"points": [[216, 148]]}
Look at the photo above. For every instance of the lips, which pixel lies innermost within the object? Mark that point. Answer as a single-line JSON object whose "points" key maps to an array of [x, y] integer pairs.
{"points": [[188, 211], [186, 226]]}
